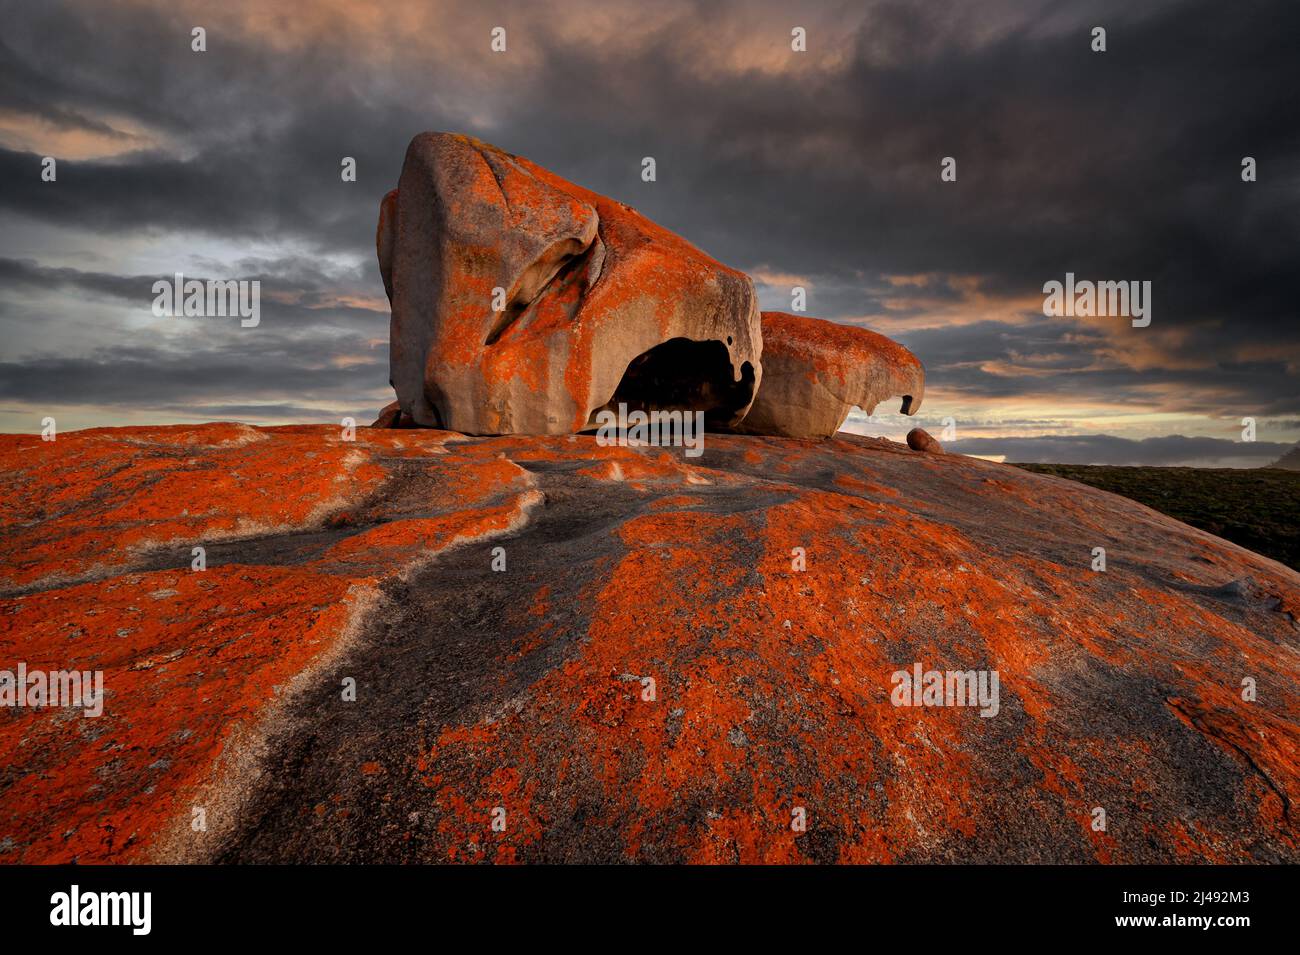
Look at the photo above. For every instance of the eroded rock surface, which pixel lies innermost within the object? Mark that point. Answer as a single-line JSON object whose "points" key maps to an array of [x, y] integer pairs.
{"points": [[526, 687], [815, 372], [599, 304]]}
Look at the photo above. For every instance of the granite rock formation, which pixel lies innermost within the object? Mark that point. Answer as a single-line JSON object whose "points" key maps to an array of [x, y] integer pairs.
{"points": [[665, 657], [522, 303]]}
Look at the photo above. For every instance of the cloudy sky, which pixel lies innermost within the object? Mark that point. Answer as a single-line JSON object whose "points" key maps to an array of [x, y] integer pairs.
{"points": [[818, 169]]}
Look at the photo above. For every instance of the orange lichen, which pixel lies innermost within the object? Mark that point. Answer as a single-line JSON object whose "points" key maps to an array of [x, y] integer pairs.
{"points": [[94, 498], [181, 673], [705, 665]]}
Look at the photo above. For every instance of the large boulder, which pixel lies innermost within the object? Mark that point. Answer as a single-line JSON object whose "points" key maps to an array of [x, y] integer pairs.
{"points": [[522, 303], [815, 372]]}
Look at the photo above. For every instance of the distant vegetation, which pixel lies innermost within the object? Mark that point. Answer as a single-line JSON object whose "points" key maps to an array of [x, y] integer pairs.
{"points": [[1257, 508]]}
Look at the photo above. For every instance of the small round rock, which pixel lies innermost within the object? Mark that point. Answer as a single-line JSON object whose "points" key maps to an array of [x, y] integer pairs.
{"points": [[918, 439]]}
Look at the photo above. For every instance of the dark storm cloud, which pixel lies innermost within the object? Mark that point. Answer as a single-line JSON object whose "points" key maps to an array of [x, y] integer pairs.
{"points": [[294, 291], [257, 138], [1170, 451], [1122, 165], [1002, 360], [1067, 159], [231, 375], [28, 275]]}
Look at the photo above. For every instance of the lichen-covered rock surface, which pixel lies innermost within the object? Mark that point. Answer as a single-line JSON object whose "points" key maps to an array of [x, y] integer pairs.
{"points": [[815, 372], [665, 659]]}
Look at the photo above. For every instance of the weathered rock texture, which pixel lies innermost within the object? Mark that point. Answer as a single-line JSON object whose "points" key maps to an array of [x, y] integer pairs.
{"points": [[526, 688], [815, 372], [600, 304]]}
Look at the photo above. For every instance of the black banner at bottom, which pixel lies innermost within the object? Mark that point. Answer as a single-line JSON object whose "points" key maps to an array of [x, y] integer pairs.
{"points": [[171, 904]]}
